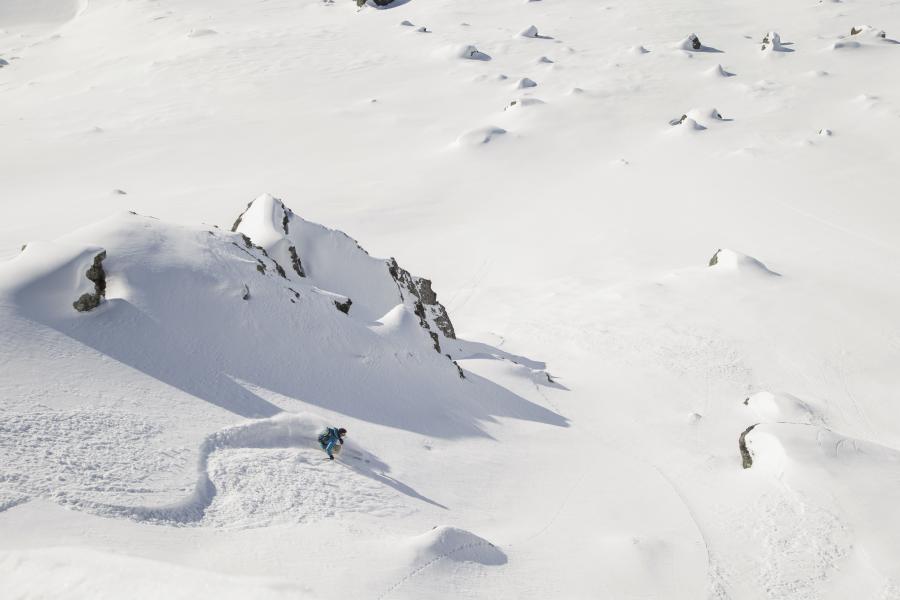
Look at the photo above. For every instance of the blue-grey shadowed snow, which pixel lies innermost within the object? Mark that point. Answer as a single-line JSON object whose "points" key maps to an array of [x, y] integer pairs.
{"points": [[168, 354], [187, 326], [368, 465], [394, 4]]}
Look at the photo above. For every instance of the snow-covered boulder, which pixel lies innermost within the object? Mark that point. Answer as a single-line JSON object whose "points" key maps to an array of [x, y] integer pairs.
{"points": [[691, 43], [454, 545], [730, 260], [771, 42]]}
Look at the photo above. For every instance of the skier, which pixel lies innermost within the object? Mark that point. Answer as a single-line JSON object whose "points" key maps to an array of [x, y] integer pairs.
{"points": [[332, 439]]}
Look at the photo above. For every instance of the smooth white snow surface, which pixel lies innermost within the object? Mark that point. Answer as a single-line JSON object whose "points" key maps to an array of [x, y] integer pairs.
{"points": [[564, 172]]}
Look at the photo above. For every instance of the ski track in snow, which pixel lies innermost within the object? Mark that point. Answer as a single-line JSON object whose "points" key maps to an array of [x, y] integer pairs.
{"points": [[249, 475]]}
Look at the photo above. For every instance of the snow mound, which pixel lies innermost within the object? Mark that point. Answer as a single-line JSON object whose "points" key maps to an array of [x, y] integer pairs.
{"points": [[521, 103], [770, 408], [457, 545], [686, 124], [862, 36], [201, 32], [692, 43], [718, 71], [171, 292], [470, 52], [19, 13], [730, 260], [532, 32], [480, 136], [771, 42]]}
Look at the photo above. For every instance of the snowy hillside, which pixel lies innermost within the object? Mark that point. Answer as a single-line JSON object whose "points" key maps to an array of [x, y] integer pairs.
{"points": [[656, 354]]}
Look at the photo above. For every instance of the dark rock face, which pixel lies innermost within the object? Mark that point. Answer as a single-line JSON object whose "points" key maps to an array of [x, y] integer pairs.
{"points": [[377, 2], [295, 260], [97, 276], [344, 307], [260, 265], [715, 258], [695, 42], [427, 304], [237, 223], [746, 457]]}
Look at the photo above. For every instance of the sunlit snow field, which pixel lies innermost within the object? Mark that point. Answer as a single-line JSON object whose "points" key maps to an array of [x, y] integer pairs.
{"points": [[672, 267]]}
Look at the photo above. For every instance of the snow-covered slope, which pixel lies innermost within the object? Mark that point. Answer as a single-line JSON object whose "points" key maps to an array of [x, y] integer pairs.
{"points": [[687, 210], [208, 316]]}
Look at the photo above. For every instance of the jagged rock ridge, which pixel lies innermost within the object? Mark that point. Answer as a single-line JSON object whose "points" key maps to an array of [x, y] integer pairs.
{"points": [[333, 261]]}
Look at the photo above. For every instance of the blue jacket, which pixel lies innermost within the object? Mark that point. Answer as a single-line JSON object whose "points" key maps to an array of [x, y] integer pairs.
{"points": [[329, 439]]}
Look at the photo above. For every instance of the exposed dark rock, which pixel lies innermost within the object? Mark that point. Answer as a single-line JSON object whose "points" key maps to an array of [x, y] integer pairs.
{"points": [[362, 3], [24, 246], [97, 276], [436, 340], [459, 370], [695, 41], [421, 289], [261, 266], [344, 307], [715, 258], [746, 457], [237, 223], [295, 262], [678, 121], [747, 401]]}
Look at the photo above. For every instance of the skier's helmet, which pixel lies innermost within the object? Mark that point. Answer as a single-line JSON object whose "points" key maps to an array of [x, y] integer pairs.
{"points": [[342, 431]]}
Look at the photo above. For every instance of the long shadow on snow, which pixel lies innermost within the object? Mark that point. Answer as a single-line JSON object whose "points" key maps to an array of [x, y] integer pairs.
{"points": [[208, 364], [171, 356]]}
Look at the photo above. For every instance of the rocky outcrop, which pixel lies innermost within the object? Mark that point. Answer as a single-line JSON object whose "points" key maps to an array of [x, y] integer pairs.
{"points": [[237, 222], [97, 276], [344, 307], [425, 299], [746, 457], [335, 263], [856, 30], [295, 260]]}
